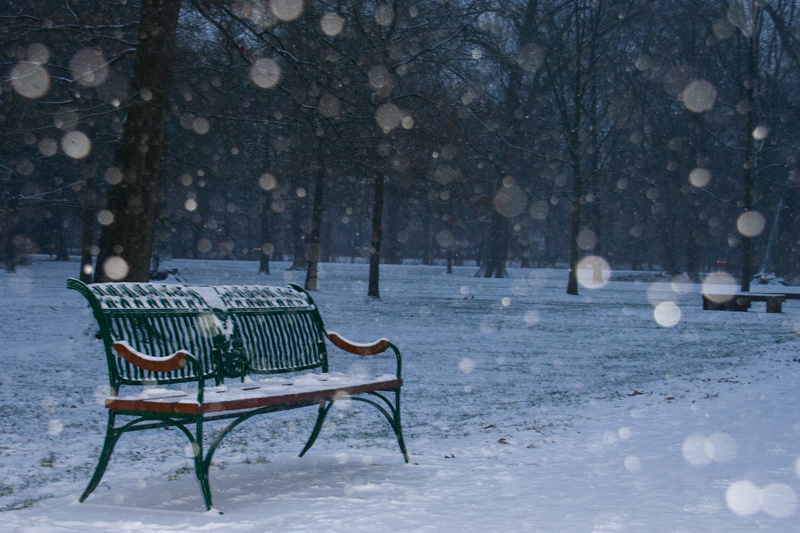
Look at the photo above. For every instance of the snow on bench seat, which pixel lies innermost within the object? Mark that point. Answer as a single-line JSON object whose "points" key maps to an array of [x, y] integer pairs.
{"points": [[254, 394]]}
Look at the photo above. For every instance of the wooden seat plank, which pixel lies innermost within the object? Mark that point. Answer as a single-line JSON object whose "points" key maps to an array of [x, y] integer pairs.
{"points": [[248, 397]]}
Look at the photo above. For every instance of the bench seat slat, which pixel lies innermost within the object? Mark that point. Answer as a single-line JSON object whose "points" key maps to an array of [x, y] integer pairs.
{"points": [[270, 392]]}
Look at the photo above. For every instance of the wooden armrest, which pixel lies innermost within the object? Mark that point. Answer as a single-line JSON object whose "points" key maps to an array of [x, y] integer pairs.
{"points": [[356, 348], [148, 362]]}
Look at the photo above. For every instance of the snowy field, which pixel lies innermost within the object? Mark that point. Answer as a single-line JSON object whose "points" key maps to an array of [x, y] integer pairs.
{"points": [[524, 409]]}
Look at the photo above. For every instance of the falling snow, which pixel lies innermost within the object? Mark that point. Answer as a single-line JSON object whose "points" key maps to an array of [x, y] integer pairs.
{"points": [[524, 410]]}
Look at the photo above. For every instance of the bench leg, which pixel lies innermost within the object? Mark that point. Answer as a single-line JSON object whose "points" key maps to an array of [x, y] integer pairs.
{"points": [[398, 429], [393, 418], [112, 436], [323, 412], [201, 465], [774, 305]]}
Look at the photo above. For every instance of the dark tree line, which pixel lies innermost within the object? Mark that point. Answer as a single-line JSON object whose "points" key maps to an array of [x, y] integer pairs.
{"points": [[544, 132]]}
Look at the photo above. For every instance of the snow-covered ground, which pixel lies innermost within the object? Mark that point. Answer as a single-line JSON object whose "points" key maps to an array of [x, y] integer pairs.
{"points": [[524, 409]]}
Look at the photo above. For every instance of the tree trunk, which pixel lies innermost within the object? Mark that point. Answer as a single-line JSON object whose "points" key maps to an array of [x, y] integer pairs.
{"points": [[393, 249], [375, 244], [266, 208], [87, 228], [426, 241], [316, 230], [575, 225], [59, 239], [138, 157], [496, 248], [749, 163], [299, 256]]}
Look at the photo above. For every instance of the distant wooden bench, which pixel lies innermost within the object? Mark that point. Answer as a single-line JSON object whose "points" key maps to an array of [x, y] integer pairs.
{"points": [[263, 348], [741, 301]]}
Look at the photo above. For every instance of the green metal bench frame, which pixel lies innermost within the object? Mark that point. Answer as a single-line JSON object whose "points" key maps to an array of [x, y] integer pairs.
{"points": [[160, 334]]}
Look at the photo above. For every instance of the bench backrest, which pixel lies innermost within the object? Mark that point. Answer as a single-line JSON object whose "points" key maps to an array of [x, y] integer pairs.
{"points": [[158, 320], [280, 329], [232, 330]]}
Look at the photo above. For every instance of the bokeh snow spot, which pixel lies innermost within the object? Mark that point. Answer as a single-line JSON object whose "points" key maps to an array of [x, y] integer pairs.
{"points": [[633, 464], [286, 10], [116, 268], [694, 451], [719, 447], [101, 392], [624, 433], [742, 498], [667, 314], [388, 117], [760, 133], [700, 177], [466, 365], [201, 126], [719, 287], [48, 403], [55, 427], [265, 73], [384, 15], [510, 200], [89, 68], [751, 223], [699, 96], [593, 272], [191, 450], [532, 317], [29, 79], [331, 24], [76, 145], [105, 217], [776, 499]]}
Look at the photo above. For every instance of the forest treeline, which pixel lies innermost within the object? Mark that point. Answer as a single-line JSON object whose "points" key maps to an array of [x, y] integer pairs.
{"points": [[651, 134]]}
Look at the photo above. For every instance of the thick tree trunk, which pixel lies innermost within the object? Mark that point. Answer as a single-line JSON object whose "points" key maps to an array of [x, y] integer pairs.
{"points": [[375, 244], [133, 200]]}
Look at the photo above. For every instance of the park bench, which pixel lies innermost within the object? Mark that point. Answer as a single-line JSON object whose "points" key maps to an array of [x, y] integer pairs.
{"points": [[741, 301], [262, 349]]}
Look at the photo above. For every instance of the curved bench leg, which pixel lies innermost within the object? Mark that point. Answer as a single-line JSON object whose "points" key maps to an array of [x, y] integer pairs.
{"points": [[323, 412], [392, 416], [398, 429], [201, 465], [112, 437]]}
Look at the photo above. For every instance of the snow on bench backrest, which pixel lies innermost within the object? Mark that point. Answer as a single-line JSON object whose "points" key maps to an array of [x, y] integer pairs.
{"points": [[146, 296], [279, 327]]}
